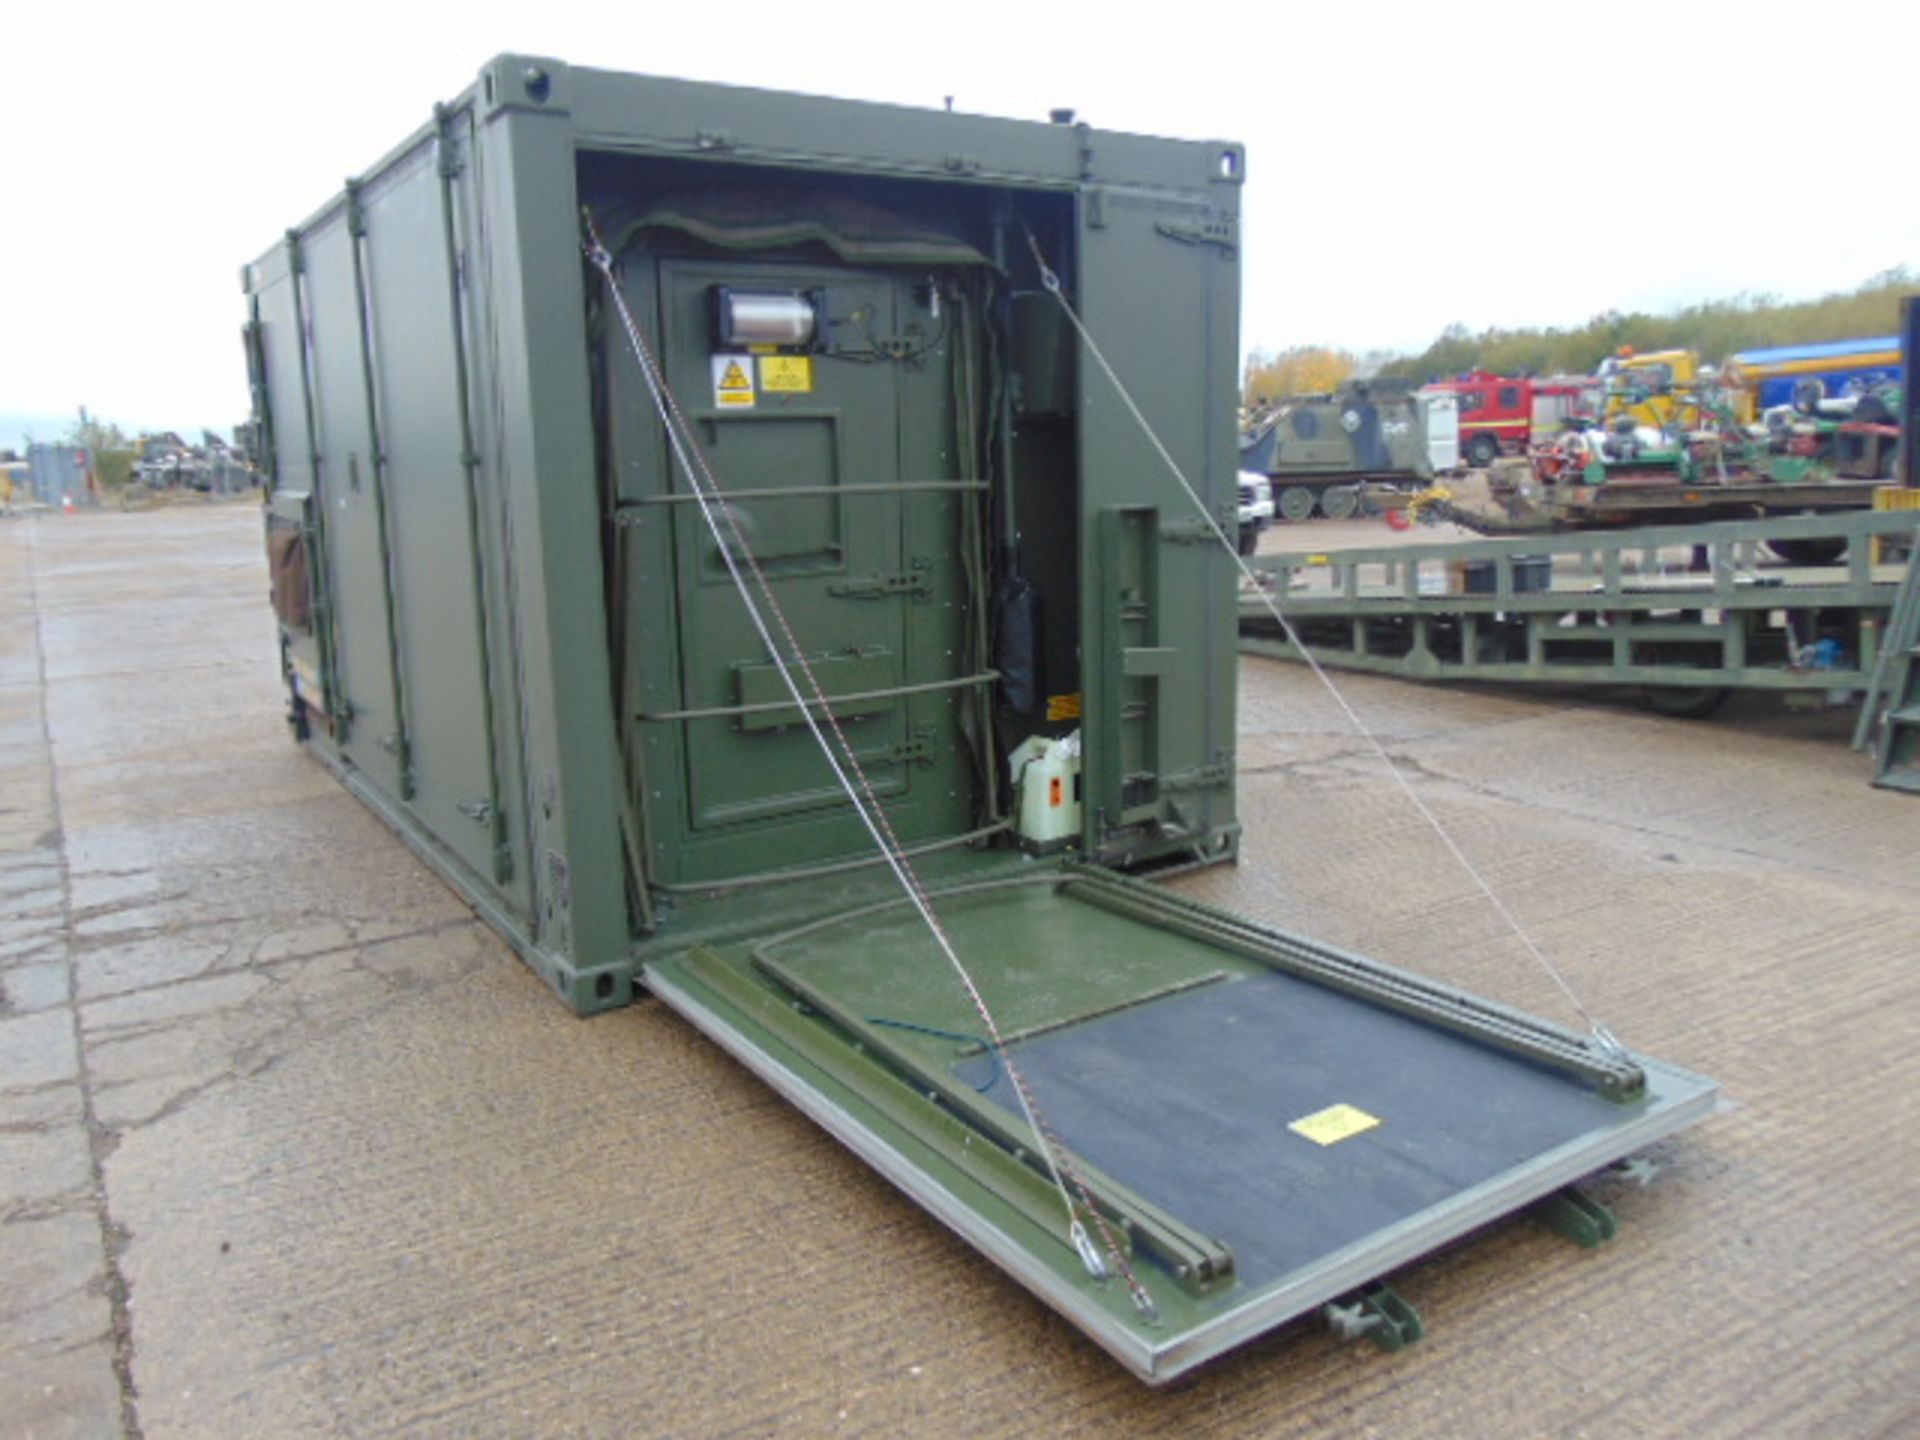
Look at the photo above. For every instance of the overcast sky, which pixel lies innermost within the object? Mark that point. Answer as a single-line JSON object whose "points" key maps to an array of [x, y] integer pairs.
{"points": [[1409, 166]]}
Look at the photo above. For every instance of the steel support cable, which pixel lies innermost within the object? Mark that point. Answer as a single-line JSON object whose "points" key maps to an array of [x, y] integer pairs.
{"points": [[1051, 281], [873, 817]]}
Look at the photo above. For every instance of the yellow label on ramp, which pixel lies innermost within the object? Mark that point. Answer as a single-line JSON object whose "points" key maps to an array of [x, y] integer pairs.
{"points": [[1334, 1124], [733, 382]]}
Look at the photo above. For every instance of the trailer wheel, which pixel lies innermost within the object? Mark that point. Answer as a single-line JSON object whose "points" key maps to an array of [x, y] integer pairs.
{"points": [[1482, 451], [1339, 502], [1296, 503], [1821, 551]]}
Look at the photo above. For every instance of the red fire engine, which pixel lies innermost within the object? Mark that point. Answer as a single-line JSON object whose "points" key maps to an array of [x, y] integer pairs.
{"points": [[1499, 415], [1496, 415]]}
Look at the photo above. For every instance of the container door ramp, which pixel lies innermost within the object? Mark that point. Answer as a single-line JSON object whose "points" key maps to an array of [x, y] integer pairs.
{"points": [[1268, 1125]]}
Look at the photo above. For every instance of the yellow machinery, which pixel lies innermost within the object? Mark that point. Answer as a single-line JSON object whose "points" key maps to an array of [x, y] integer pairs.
{"points": [[1651, 388]]}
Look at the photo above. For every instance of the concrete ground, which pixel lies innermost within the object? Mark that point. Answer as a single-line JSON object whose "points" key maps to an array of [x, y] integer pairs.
{"points": [[291, 1145]]}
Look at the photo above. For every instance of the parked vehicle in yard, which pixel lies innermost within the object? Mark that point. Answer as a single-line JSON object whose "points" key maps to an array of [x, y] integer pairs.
{"points": [[1256, 509], [1803, 375], [1320, 451]]}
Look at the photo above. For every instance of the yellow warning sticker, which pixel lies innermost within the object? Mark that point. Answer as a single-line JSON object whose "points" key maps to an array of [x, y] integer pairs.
{"points": [[733, 382], [1334, 1124], [1063, 707], [790, 373]]}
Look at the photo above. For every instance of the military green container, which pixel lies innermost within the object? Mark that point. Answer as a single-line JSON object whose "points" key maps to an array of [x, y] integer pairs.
{"points": [[507, 624]]}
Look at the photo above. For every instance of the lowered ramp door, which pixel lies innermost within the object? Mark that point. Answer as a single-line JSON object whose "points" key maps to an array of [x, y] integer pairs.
{"points": [[1266, 1123]]}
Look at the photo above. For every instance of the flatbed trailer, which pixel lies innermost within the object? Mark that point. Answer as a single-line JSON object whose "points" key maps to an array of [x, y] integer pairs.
{"points": [[1636, 502], [1684, 613], [1518, 501]]}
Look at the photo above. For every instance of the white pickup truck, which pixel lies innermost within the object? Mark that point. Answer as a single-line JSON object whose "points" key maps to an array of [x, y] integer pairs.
{"points": [[1256, 509]]}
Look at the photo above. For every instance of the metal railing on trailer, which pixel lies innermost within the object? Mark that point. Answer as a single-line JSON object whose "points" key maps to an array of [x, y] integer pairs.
{"points": [[1679, 610]]}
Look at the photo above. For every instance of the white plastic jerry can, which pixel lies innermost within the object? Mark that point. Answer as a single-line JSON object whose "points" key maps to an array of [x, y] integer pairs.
{"points": [[1046, 780]]}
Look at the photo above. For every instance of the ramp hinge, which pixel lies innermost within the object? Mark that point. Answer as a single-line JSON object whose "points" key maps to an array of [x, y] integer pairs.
{"points": [[1577, 1216], [1377, 1312]]}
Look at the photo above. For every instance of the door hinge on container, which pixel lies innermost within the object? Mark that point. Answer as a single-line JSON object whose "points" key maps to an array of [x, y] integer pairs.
{"points": [[395, 744], [1200, 777], [1217, 233], [1196, 531], [912, 582], [916, 751]]}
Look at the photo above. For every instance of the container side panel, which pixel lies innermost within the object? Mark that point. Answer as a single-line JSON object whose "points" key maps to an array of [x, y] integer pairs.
{"points": [[1158, 591], [548, 515], [368, 735], [280, 341], [505, 676], [414, 339]]}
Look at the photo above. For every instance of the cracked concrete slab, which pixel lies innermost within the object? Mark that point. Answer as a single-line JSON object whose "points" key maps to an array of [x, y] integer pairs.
{"points": [[44, 1164], [37, 1050], [328, 1159], [34, 987], [56, 1345]]}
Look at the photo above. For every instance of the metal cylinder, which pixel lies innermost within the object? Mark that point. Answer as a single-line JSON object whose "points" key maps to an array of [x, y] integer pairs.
{"points": [[760, 318]]}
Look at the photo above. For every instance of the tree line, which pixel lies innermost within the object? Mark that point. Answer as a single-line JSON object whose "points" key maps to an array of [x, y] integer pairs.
{"points": [[1714, 329]]}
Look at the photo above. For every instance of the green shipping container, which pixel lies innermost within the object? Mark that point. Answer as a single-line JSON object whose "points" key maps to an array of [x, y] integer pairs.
{"points": [[511, 493]]}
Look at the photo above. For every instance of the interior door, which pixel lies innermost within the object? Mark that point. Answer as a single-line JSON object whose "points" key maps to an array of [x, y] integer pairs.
{"points": [[829, 462]]}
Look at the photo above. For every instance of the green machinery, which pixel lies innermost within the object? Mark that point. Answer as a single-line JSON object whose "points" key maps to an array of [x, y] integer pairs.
{"points": [[1322, 450], [606, 413]]}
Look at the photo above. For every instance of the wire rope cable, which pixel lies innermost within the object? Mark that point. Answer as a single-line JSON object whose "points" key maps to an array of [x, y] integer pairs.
{"points": [[1051, 282], [706, 489]]}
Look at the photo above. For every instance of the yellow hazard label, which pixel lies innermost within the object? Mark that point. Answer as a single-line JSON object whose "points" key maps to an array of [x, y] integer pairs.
{"points": [[790, 373], [1063, 707], [1334, 1124], [733, 382]]}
